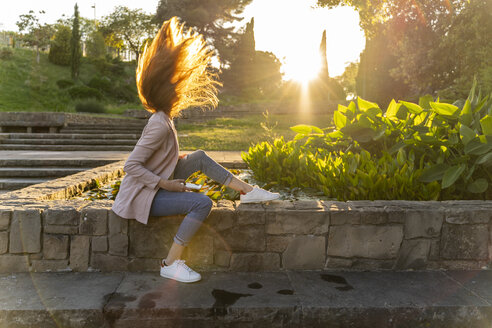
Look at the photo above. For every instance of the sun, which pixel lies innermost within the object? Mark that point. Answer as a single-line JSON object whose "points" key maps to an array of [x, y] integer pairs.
{"points": [[302, 66]]}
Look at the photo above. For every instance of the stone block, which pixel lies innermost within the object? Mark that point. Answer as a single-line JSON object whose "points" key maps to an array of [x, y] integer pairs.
{"points": [[221, 218], [200, 251], [222, 258], [277, 243], [297, 222], [367, 241], [154, 238], [140, 264], [434, 250], [308, 205], [117, 224], [4, 241], [490, 243], [79, 253], [61, 217], [61, 229], [373, 215], [242, 238], [251, 214], [395, 214], [25, 232], [462, 265], [5, 218], [118, 245], [468, 215], [423, 223], [341, 217], [49, 265], [255, 262], [14, 263], [464, 242], [305, 252], [372, 264], [108, 263], [94, 221], [413, 254], [337, 263], [99, 244], [55, 247]]}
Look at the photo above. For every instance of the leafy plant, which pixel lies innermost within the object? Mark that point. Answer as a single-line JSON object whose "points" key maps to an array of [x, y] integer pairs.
{"points": [[89, 106], [424, 151]]}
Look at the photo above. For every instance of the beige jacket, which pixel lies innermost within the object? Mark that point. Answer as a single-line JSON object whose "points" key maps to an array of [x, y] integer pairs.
{"points": [[154, 157]]}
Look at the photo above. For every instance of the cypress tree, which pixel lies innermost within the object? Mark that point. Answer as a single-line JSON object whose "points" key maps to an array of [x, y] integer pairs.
{"points": [[75, 44]]}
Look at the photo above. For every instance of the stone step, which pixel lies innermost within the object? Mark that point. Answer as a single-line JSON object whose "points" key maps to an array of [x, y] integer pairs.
{"points": [[68, 147], [19, 183], [438, 299], [31, 172], [91, 163], [93, 141], [98, 131], [70, 136], [130, 124]]}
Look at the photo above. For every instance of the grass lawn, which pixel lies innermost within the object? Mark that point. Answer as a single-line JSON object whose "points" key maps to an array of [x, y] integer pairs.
{"points": [[240, 133]]}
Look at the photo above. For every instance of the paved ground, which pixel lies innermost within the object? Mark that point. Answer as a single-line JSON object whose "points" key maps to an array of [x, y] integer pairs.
{"points": [[116, 155], [277, 299]]}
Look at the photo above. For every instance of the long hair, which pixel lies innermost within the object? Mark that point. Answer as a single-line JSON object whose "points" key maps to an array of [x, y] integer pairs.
{"points": [[173, 73]]}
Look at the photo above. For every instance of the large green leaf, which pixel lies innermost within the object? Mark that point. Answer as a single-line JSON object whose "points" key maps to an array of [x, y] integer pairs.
{"points": [[433, 173], [446, 110], [466, 115], [364, 105], [339, 119], [412, 108], [478, 186], [424, 101], [485, 159], [306, 129], [476, 147], [452, 174], [466, 134], [486, 123], [392, 109]]}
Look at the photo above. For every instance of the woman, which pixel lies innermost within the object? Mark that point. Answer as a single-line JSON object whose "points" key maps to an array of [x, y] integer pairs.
{"points": [[172, 75]]}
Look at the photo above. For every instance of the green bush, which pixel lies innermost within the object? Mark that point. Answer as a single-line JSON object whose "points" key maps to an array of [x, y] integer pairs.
{"points": [[125, 93], [63, 84], [425, 151], [60, 46], [6, 53], [89, 106], [84, 92], [101, 83]]}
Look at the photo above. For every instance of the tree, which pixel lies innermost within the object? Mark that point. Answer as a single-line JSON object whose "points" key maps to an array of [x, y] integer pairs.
{"points": [[348, 79], [128, 27], [210, 18], [75, 44], [60, 46], [96, 47], [38, 35]]}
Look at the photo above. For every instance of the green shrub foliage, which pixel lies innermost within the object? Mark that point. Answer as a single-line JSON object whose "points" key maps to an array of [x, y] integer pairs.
{"points": [[89, 106], [84, 92], [426, 151], [63, 84], [60, 46], [6, 53]]}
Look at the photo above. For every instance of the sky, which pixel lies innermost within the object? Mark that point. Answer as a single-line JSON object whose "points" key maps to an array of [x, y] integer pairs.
{"points": [[293, 33]]}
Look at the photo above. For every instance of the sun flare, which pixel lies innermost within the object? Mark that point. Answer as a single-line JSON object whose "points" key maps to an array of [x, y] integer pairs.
{"points": [[302, 67]]}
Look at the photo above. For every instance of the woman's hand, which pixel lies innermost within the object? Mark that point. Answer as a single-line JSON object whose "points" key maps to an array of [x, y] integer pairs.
{"points": [[173, 185]]}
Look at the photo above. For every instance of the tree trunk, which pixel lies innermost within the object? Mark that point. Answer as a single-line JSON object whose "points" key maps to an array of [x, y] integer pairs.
{"points": [[37, 54]]}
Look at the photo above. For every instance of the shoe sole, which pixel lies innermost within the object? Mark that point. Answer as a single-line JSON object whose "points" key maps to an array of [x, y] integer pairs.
{"points": [[177, 279], [259, 200]]}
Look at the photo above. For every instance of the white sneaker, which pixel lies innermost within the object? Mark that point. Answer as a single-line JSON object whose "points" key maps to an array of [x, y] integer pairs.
{"points": [[258, 195], [179, 271]]}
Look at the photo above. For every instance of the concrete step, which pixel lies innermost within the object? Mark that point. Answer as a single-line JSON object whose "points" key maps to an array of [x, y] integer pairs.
{"points": [[101, 131], [19, 183], [32, 163], [448, 299], [67, 147], [31, 172], [130, 124], [71, 136], [93, 141]]}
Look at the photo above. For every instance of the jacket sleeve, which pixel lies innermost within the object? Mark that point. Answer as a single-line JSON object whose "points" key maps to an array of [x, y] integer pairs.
{"points": [[152, 138]]}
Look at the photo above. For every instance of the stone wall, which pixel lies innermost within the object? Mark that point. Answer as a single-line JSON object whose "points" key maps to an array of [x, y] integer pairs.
{"points": [[358, 235]]}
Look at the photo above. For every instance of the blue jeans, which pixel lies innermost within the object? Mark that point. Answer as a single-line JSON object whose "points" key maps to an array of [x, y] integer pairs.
{"points": [[196, 206]]}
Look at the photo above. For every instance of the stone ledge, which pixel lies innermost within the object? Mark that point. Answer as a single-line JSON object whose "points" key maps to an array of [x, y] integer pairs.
{"points": [[249, 237]]}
